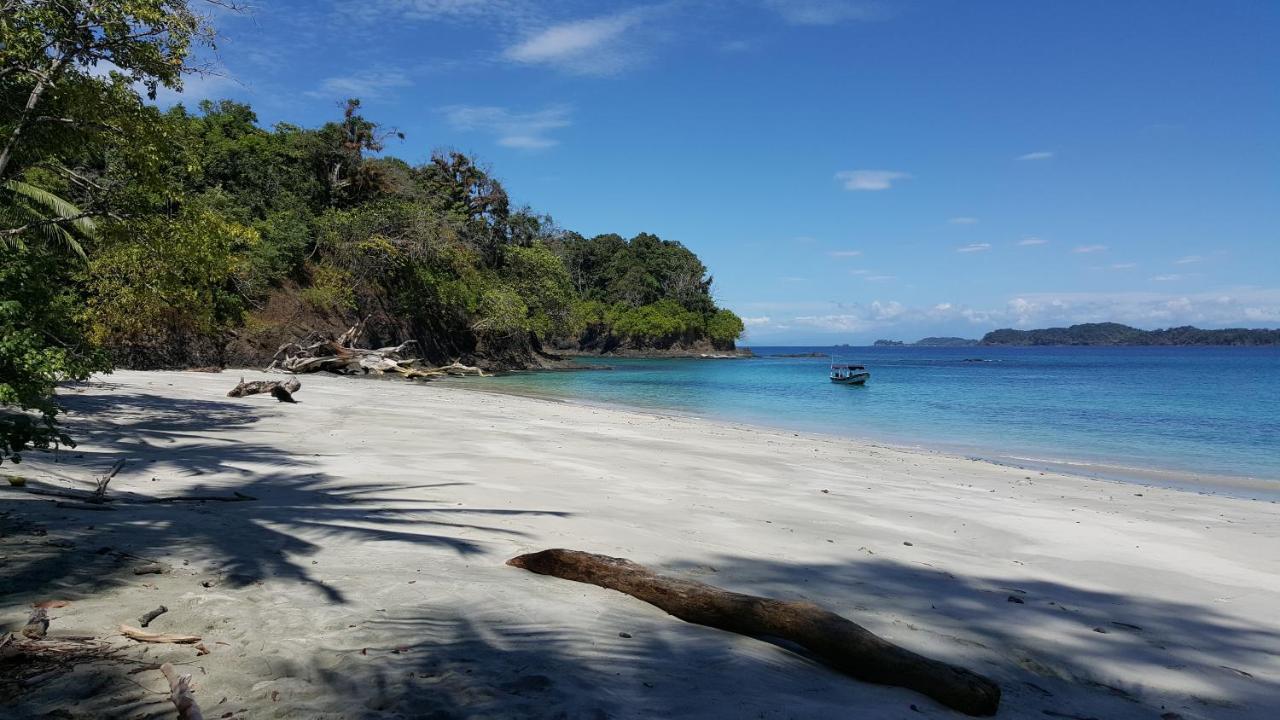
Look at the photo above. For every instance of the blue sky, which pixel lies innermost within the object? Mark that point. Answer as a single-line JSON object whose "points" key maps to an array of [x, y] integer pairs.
{"points": [[849, 170]]}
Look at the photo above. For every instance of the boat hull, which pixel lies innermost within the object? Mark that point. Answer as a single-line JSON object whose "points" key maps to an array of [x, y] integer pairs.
{"points": [[858, 379]]}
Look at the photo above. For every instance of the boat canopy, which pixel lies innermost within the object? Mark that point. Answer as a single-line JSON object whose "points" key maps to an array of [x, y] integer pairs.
{"points": [[848, 367]]}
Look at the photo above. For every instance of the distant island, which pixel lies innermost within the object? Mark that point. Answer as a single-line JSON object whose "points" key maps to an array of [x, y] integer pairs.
{"points": [[929, 342], [1117, 334]]}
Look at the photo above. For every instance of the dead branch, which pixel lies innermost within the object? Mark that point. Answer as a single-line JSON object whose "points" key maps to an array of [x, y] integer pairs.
{"points": [[146, 619], [180, 693], [281, 390], [86, 505], [836, 641], [141, 635], [100, 494], [234, 497]]}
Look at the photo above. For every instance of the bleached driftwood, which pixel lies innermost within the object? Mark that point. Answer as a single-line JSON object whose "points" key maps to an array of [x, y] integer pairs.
{"points": [[836, 641], [317, 352], [180, 693], [281, 390], [141, 635]]}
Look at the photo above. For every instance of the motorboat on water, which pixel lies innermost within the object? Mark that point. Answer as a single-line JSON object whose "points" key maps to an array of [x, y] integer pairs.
{"points": [[849, 374]]}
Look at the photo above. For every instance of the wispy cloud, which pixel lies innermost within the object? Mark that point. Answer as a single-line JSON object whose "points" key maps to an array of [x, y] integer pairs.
{"points": [[859, 272], [595, 46], [1089, 249], [1029, 241], [1124, 266], [870, 179], [1173, 277], [524, 131], [825, 12], [365, 84], [845, 253], [965, 220], [880, 278], [1039, 155], [1232, 307], [974, 247], [504, 12], [1188, 260], [756, 321]]}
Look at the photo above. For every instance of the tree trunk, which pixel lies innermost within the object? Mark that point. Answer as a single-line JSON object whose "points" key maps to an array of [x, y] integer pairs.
{"points": [[840, 643], [33, 99]]}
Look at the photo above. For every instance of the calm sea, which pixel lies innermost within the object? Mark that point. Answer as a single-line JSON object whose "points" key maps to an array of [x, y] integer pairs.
{"points": [[1189, 412]]}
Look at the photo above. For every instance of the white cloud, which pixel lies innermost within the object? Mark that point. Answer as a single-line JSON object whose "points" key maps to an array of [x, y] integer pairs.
{"points": [[1174, 277], [1189, 259], [504, 12], [756, 321], [963, 220], [845, 253], [1252, 307], [364, 84], [525, 131], [870, 179], [880, 278], [825, 12], [1124, 266], [1040, 155], [1028, 241], [1089, 249], [596, 46], [974, 247]]}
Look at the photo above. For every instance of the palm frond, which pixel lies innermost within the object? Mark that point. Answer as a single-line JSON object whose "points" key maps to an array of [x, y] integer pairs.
{"points": [[52, 216]]}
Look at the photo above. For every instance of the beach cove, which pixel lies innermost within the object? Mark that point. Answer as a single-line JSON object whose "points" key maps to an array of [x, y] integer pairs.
{"points": [[366, 578]]}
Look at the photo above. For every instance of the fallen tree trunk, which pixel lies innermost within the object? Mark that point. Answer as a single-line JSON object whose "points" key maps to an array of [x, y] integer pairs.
{"points": [[317, 352], [180, 693], [836, 641], [281, 390]]}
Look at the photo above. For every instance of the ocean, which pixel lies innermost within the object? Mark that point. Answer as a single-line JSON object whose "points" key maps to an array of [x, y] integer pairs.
{"points": [[1127, 412]]}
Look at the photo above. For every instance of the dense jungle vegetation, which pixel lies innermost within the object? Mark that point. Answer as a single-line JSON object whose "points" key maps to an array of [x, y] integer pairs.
{"points": [[139, 237]]}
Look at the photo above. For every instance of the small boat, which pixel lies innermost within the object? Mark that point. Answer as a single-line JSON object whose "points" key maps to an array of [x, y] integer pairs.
{"points": [[849, 374]]}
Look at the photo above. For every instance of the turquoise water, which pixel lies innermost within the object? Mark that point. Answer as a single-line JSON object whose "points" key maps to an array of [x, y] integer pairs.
{"points": [[1202, 411]]}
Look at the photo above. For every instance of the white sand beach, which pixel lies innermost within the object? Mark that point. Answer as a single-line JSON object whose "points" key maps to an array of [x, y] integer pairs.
{"points": [[367, 578]]}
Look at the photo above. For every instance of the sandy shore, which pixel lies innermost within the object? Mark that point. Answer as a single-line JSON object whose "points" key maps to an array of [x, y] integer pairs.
{"points": [[367, 579]]}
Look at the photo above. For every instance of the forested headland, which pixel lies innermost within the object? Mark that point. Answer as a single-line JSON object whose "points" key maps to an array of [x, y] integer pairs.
{"points": [[1117, 334], [143, 237]]}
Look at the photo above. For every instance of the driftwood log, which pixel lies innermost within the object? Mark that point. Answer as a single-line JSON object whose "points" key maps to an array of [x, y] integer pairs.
{"points": [[146, 619], [281, 390], [319, 352], [141, 635], [840, 643], [180, 693]]}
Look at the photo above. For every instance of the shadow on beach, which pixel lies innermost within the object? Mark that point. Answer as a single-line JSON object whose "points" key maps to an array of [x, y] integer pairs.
{"points": [[539, 649]]}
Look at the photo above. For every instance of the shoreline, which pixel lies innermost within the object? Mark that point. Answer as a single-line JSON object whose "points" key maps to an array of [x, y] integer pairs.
{"points": [[1241, 487]]}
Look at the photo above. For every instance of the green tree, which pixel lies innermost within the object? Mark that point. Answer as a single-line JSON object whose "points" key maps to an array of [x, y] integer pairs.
{"points": [[161, 291]]}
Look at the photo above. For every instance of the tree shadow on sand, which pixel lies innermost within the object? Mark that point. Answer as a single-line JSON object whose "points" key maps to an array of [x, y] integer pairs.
{"points": [[294, 507], [592, 653]]}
